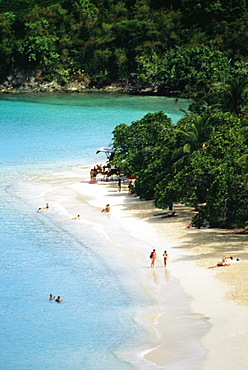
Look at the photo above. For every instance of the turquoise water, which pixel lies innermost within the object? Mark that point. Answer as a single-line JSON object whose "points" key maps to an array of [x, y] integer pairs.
{"points": [[54, 137]]}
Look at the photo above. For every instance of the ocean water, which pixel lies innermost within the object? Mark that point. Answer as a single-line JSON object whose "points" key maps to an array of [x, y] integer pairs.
{"points": [[47, 139]]}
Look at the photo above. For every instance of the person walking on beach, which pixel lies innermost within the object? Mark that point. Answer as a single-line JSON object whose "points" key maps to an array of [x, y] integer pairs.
{"points": [[153, 257], [165, 255]]}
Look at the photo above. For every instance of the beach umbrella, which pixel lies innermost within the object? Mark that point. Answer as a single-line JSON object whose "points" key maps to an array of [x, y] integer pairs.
{"points": [[132, 177], [104, 149]]}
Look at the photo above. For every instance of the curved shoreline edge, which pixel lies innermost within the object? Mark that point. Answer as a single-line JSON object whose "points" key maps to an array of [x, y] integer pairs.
{"points": [[218, 297]]}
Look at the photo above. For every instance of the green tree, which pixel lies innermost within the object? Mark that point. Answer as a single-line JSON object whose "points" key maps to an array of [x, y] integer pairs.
{"points": [[39, 47], [212, 175], [7, 41], [234, 94], [184, 66], [194, 136], [225, 195], [143, 150]]}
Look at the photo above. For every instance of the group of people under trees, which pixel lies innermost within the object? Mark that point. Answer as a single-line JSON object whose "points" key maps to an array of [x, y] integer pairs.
{"points": [[95, 171], [106, 170]]}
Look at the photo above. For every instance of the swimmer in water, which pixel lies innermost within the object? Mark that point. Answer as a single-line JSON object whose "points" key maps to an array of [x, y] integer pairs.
{"points": [[58, 299]]}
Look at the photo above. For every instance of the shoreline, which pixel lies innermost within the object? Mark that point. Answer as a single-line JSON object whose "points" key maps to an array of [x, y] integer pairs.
{"points": [[74, 87], [215, 307]]}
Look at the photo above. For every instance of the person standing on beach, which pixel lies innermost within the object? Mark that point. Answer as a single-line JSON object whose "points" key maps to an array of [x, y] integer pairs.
{"points": [[165, 255], [153, 257], [170, 205], [130, 186], [119, 184]]}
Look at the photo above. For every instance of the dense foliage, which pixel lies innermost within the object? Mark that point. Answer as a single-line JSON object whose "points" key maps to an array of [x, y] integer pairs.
{"points": [[200, 161], [181, 45]]}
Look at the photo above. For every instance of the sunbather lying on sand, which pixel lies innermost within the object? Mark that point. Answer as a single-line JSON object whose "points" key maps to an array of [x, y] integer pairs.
{"points": [[106, 209], [172, 214], [226, 261]]}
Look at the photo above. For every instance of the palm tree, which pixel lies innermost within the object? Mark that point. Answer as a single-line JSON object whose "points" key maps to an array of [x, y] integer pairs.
{"points": [[194, 137], [235, 94]]}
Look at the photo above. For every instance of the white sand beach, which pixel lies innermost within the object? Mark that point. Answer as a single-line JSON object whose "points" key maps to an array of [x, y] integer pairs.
{"points": [[217, 298]]}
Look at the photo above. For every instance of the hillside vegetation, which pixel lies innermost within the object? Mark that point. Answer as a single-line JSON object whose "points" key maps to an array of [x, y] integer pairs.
{"points": [[181, 46], [202, 161]]}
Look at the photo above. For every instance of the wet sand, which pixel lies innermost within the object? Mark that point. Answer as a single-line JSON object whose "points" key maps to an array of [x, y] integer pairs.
{"points": [[217, 306]]}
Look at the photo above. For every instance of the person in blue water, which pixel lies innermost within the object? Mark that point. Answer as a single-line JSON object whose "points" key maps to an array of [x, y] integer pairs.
{"points": [[59, 299], [76, 217]]}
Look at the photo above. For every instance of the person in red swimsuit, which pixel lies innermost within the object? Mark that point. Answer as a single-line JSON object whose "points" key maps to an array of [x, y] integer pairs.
{"points": [[153, 257]]}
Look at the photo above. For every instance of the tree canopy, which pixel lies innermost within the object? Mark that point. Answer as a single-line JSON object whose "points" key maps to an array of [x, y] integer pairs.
{"points": [[181, 45], [201, 161]]}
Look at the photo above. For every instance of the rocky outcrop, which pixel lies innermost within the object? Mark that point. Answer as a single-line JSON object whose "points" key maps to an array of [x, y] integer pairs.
{"points": [[37, 82], [23, 82]]}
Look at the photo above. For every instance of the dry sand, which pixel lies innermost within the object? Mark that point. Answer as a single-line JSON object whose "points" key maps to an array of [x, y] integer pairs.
{"points": [[219, 296]]}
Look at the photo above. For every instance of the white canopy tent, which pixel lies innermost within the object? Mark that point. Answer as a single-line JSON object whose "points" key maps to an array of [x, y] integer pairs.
{"points": [[104, 149]]}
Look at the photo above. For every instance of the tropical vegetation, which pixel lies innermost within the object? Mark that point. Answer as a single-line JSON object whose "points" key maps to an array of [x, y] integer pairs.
{"points": [[176, 46], [201, 161]]}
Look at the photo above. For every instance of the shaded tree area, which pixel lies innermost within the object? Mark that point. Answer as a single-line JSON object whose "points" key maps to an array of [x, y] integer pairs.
{"points": [[200, 161], [179, 46]]}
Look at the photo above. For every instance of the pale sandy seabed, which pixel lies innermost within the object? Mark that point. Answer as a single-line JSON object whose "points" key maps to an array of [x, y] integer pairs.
{"points": [[219, 295]]}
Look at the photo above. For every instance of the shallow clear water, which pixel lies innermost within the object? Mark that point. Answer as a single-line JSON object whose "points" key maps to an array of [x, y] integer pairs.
{"points": [[42, 136]]}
